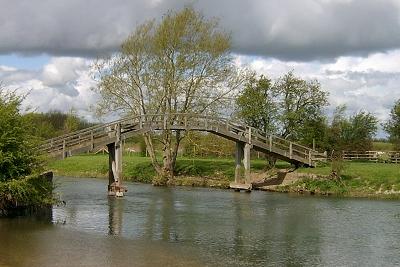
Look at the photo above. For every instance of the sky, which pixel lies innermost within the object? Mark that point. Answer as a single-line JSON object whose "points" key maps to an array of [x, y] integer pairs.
{"points": [[351, 46]]}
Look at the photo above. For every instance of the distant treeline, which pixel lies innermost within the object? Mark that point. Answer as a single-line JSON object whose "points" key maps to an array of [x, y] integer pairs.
{"points": [[55, 123]]}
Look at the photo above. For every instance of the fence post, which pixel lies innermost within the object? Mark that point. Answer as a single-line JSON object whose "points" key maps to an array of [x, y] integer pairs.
{"points": [[290, 150]]}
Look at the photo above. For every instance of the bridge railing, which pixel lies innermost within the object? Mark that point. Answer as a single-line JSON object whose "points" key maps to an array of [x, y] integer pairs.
{"points": [[182, 121]]}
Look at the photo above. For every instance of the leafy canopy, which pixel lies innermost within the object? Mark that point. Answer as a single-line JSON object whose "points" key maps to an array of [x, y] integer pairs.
{"points": [[392, 126], [18, 153]]}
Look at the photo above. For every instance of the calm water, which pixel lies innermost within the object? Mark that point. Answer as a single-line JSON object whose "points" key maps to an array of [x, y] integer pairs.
{"points": [[154, 226]]}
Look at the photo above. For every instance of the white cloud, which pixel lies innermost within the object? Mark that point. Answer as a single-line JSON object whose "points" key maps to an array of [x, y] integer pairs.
{"points": [[371, 83], [62, 84]]}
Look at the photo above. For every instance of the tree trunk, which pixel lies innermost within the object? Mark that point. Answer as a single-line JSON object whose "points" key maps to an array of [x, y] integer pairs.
{"points": [[271, 161], [168, 162], [165, 173], [152, 154], [170, 153]]}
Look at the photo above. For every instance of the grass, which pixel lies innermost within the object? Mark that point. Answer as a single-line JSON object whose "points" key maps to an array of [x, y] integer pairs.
{"points": [[364, 178], [139, 169]]}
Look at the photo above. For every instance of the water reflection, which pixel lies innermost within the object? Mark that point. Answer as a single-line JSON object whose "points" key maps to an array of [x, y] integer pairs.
{"points": [[239, 229], [115, 215]]}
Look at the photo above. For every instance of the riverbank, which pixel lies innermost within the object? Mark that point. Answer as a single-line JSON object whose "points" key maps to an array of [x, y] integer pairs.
{"points": [[359, 179], [27, 195]]}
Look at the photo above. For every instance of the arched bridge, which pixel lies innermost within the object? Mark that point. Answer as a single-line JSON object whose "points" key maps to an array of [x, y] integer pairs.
{"points": [[246, 138]]}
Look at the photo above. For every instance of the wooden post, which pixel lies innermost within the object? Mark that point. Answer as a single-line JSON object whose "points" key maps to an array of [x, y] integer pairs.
{"points": [[238, 161], [290, 150], [91, 140], [115, 166], [249, 135], [111, 169], [246, 163], [63, 150]]}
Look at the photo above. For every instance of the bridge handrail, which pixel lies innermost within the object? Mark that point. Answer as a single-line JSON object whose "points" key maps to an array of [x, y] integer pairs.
{"points": [[185, 119]]}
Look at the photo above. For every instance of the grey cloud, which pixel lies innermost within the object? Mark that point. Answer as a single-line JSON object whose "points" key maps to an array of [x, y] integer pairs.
{"points": [[286, 29]]}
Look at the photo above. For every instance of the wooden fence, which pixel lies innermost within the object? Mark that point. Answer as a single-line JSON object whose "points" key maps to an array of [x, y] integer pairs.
{"points": [[375, 156]]}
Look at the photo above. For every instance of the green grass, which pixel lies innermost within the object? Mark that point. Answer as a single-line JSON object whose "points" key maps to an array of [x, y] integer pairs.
{"points": [[365, 177], [139, 169]]}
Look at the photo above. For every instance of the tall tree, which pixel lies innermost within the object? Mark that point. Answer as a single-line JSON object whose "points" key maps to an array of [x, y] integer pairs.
{"points": [[351, 133], [257, 104], [392, 126], [301, 103], [180, 64], [291, 107]]}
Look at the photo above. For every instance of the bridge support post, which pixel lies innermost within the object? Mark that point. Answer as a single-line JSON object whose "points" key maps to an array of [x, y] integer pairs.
{"points": [[242, 159], [115, 187], [238, 161], [246, 163]]}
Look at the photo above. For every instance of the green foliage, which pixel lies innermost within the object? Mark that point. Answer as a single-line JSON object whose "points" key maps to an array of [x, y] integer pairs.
{"points": [[351, 133], [392, 126], [54, 123], [18, 152], [207, 145], [71, 123], [32, 191], [180, 64], [291, 107], [301, 105], [384, 158], [382, 145], [364, 178], [257, 104], [338, 166], [320, 186]]}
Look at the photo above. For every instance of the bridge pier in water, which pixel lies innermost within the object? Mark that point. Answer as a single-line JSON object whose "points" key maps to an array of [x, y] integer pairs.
{"points": [[242, 162], [115, 187]]}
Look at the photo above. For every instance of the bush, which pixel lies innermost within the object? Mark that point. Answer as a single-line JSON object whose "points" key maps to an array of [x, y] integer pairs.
{"points": [[18, 149], [32, 191]]}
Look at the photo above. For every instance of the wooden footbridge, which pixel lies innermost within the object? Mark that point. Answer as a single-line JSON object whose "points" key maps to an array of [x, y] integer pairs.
{"points": [[246, 138]]}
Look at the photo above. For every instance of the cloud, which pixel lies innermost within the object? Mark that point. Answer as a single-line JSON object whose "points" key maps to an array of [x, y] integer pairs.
{"points": [[370, 84], [62, 84], [284, 29]]}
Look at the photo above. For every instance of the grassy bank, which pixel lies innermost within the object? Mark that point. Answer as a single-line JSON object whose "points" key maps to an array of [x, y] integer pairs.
{"points": [[359, 179], [139, 169]]}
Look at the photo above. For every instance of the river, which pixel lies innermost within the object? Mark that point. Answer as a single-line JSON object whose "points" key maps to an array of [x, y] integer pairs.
{"points": [[181, 226]]}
